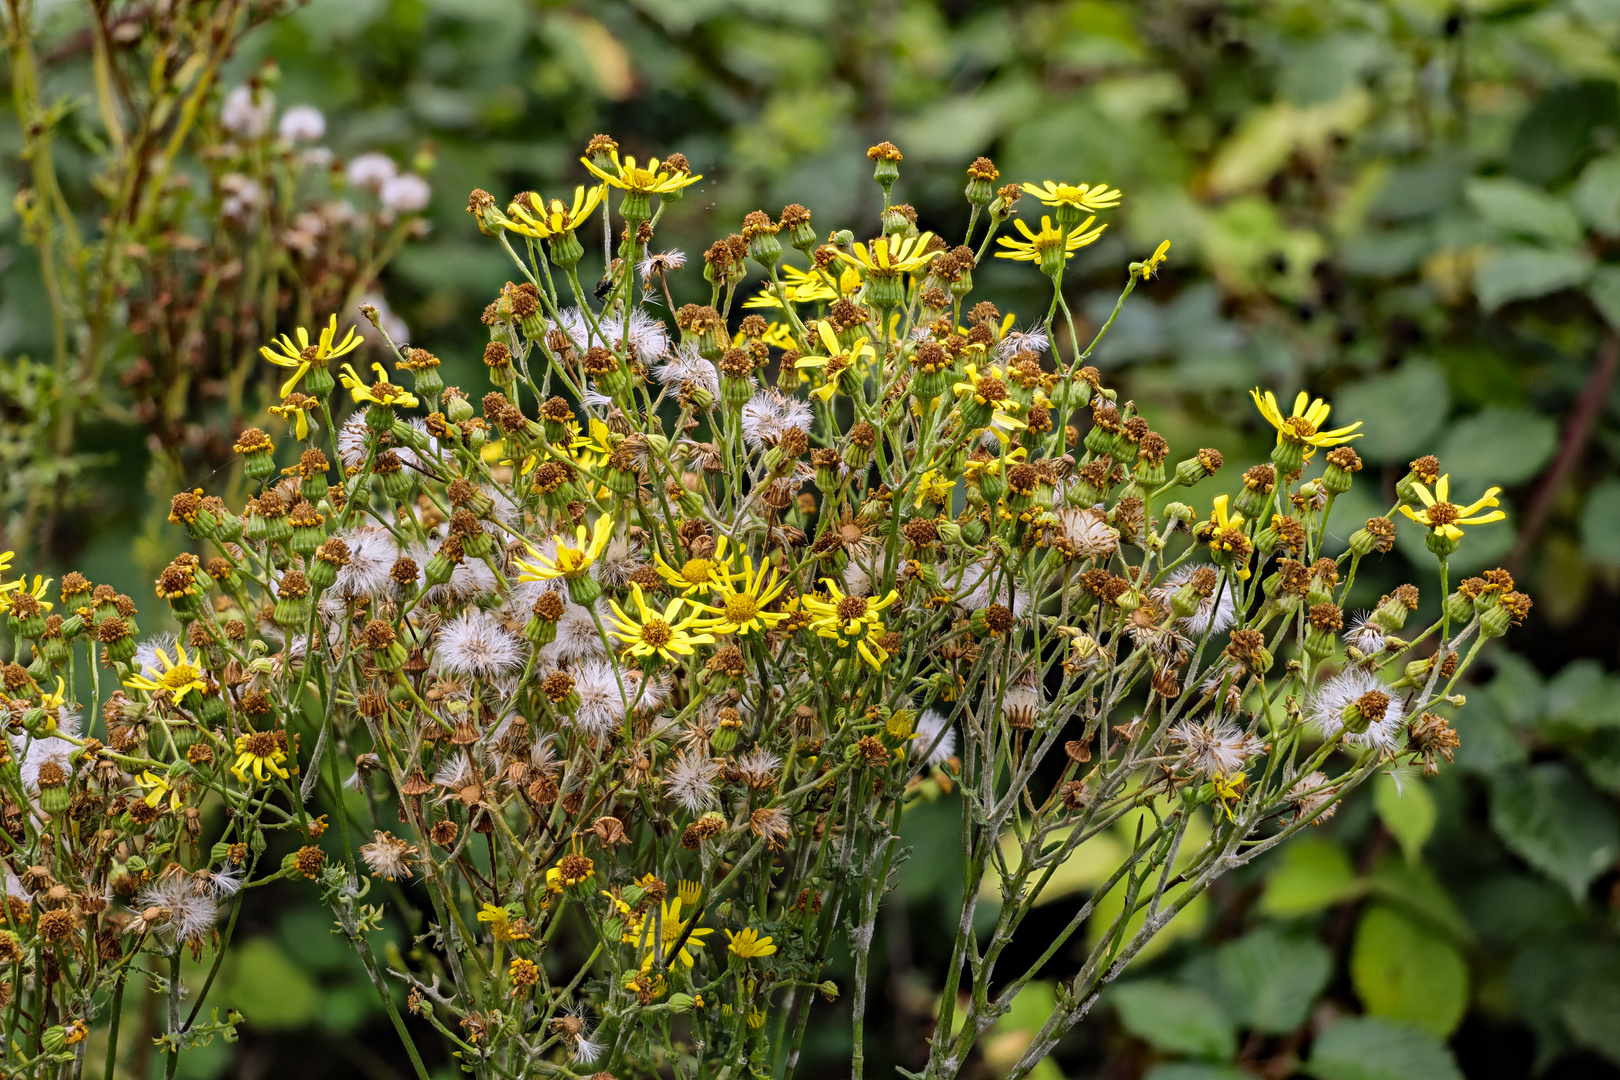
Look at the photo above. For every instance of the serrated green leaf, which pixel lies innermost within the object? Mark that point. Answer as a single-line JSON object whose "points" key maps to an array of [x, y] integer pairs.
{"points": [[1369, 1048], [1175, 1019], [1187, 1070], [1603, 289], [1496, 446], [1402, 970], [1552, 819], [1592, 1013], [1413, 888], [1269, 980], [1407, 810], [1600, 522], [1310, 874], [1520, 272], [1596, 196], [1400, 412], [1521, 210]]}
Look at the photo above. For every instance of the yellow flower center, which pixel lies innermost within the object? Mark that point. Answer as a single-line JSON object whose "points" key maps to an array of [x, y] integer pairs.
{"points": [[179, 676], [656, 632], [1442, 513], [697, 571], [851, 608], [740, 607], [1298, 427], [261, 744]]}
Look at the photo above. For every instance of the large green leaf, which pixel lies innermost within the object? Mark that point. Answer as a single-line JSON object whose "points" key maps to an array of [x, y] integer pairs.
{"points": [[1559, 131], [1269, 980], [1188, 1070], [1603, 289], [1521, 272], [268, 988], [1311, 874], [1414, 889], [1521, 210], [1592, 1013], [1407, 811], [1495, 447], [1369, 1048], [1600, 522], [1597, 195], [1402, 970], [1553, 819], [1399, 412], [1175, 1019], [1581, 698]]}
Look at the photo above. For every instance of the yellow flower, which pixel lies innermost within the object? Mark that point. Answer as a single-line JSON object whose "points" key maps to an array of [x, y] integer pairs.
{"points": [[641, 934], [779, 336], [1443, 517], [544, 220], [1031, 248], [5, 564], [382, 392], [990, 388], [748, 944], [627, 176], [569, 562], [934, 487], [805, 287], [689, 892], [158, 787], [261, 752], [837, 361], [1304, 425], [177, 676], [1221, 519], [295, 409], [742, 610], [304, 353], [49, 701], [501, 925], [701, 574], [41, 584], [890, 256], [1151, 266], [664, 634], [1082, 196], [851, 618]]}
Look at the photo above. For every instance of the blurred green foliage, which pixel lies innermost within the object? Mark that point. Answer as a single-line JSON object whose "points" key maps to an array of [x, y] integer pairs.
{"points": [[1410, 206]]}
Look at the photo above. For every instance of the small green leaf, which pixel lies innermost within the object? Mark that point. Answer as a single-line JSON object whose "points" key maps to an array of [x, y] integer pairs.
{"points": [[1402, 970], [1369, 1048], [1311, 874], [1407, 811], [1553, 820], [1175, 1019], [1520, 272], [1269, 980]]}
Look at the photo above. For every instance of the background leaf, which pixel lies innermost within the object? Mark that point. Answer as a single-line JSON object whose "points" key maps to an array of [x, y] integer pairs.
{"points": [[1553, 820], [1403, 970], [1175, 1019], [1268, 980], [1407, 810], [1368, 1048]]}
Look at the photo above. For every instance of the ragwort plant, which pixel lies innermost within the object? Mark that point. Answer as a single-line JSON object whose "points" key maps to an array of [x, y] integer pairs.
{"points": [[633, 670]]}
